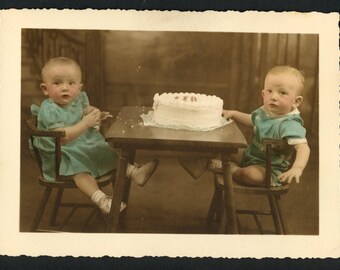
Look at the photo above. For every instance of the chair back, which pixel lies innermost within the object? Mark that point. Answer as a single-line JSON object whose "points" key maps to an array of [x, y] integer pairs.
{"points": [[56, 135], [275, 145]]}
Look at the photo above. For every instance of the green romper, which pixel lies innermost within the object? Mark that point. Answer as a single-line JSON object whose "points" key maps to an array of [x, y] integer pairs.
{"points": [[289, 126], [87, 153]]}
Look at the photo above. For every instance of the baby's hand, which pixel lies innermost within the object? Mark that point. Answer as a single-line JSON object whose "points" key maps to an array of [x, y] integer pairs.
{"points": [[105, 115], [227, 114], [289, 175], [92, 118]]}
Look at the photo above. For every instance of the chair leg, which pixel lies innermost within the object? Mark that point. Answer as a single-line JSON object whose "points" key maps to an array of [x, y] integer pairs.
{"points": [[240, 229], [56, 207], [41, 209], [258, 223], [68, 217], [222, 224], [275, 214], [221, 215], [282, 219], [89, 218], [215, 209]]}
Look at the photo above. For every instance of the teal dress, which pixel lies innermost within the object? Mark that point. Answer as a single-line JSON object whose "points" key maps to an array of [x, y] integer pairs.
{"points": [[266, 126], [87, 153]]}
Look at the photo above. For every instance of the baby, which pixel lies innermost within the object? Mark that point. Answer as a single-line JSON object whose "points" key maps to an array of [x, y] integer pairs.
{"points": [[278, 118], [85, 154]]}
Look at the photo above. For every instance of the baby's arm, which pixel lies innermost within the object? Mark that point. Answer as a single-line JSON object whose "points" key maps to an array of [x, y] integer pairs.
{"points": [[243, 118], [89, 109], [301, 159], [91, 119], [103, 115]]}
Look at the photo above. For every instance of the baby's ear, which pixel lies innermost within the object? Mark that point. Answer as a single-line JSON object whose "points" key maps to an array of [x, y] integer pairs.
{"points": [[298, 100], [81, 86], [44, 89]]}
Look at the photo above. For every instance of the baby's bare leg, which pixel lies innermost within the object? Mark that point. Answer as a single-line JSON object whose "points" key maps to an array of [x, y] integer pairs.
{"points": [[86, 183], [251, 175], [237, 158], [216, 162]]}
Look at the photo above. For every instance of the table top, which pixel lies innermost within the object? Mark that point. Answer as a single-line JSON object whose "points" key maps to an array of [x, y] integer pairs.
{"points": [[128, 131]]}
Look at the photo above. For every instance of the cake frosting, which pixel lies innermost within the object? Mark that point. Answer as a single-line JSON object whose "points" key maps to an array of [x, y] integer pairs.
{"points": [[191, 110]]}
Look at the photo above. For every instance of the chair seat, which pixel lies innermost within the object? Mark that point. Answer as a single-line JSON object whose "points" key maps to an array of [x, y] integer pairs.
{"points": [[273, 193], [68, 181], [60, 183], [273, 190]]}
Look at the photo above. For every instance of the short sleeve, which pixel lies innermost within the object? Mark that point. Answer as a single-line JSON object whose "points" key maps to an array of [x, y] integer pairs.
{"points": [[50, 116], [35, 109], [293, 131], [254, 116], [84, 100]]}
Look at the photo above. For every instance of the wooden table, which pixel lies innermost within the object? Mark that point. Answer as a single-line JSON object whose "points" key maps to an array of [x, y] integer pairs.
{"points": [[129, 134]]}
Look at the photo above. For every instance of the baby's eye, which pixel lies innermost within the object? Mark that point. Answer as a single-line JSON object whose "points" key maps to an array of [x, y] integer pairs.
{"points": [[269, 90], [283, 92]]}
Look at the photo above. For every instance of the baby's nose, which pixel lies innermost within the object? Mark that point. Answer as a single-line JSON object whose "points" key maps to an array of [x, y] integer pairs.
{"points": [[273, 96], [64, 87]]}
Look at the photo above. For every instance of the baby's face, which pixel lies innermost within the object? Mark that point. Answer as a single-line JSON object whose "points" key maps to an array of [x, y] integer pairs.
{"points": [[62, 83], [281, 93]]}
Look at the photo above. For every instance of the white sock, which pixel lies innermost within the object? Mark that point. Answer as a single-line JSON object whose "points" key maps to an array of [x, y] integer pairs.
{"points": [[105, 204], [233, 167], [97, 196], [129, 170]]}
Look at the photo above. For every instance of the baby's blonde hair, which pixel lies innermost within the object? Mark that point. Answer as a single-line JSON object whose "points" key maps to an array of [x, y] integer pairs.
{"points": [[58, 60], [289, 70]]}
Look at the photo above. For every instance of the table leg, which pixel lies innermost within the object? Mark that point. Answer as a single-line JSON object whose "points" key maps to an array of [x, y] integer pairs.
{"points": [[131, 159], [231, 222], [118, 191], [126, 193]]}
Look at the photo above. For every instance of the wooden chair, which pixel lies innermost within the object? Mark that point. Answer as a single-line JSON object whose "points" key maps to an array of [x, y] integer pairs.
{"points": [[216, 210], [60, 183]]}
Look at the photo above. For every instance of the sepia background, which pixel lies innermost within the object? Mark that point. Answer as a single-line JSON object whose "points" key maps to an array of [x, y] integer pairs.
{"points": [[126, 68]]}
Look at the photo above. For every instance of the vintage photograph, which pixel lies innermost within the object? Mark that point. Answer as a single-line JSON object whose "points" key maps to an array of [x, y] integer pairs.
{"points": [[168, 133], [127, 70]]}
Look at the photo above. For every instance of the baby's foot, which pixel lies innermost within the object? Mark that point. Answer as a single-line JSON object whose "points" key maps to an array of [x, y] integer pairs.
{"points": [[215, 165], [142, 174], [105, 205]]}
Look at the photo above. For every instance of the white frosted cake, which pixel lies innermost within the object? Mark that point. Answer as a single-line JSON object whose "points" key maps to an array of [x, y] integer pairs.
{"points": [[191, 110]]}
